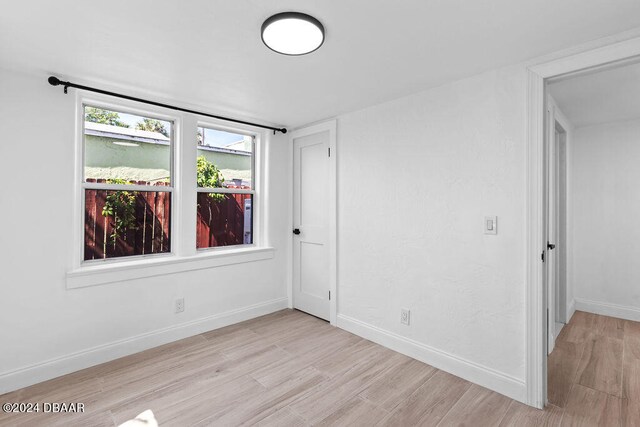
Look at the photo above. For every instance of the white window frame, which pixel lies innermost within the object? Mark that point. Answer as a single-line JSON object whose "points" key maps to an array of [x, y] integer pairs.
{"points": [[146, 188], [254, 181], [183, 255]]}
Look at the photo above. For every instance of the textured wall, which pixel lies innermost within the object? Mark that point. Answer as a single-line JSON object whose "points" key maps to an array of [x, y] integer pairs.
{"points": [[605, 177], [416, 178], [42, 320]]}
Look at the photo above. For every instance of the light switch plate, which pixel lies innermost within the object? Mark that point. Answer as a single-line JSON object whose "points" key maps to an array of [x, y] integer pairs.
{"points": [[490, 225]]}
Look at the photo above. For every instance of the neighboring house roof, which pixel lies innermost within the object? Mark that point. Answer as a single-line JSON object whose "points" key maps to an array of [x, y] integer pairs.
{"points": [[241, 145], [224, 150], [136, 135], [105, 170], [129, 134]]}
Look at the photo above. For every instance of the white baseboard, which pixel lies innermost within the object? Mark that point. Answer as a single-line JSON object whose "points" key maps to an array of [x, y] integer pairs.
{"points": [[473, 372], [53, 368], [572, 310], [559, 328], [608, 309]]}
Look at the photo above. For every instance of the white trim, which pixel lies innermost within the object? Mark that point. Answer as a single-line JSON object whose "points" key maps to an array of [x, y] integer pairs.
{"points": [[260, 187], [558, 329], [560, 116], [470, 371], [56, 367], [535, 295], [225, 190], [572, 310], [134, 268], [591, 58], [184, 228], [608, 309], [290, 173], [331, 127], [126, 187]]}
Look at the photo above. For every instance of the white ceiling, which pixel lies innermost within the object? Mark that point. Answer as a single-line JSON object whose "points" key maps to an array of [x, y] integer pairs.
{"points": [[209, 52], [600, 97]]}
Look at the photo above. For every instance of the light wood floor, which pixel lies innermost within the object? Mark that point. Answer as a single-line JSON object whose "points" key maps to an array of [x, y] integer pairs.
{"points": [[290, 369], [594, 371]]}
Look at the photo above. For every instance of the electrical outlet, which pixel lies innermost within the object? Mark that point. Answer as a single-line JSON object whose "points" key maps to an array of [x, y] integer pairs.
{"points": [[405, 316], [179, 305]]}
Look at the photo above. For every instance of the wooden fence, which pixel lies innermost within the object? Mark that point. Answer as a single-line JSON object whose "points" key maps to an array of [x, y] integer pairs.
{"points": [[149, 234], [220, 222]]}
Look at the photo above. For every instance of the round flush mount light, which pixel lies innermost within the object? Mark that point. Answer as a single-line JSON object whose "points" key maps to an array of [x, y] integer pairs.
{"points": [[292, 33]]}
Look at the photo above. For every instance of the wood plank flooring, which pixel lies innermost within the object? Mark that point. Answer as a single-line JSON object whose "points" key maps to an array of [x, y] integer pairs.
{"points": [[291, 369], [594, 371]]}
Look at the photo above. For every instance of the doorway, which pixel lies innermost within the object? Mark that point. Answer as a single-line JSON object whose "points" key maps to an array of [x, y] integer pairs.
{"points": [[591, 348], [314, 221], [538, 131]]}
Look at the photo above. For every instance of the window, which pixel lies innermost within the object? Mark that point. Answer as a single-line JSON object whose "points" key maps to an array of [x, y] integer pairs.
{"points": [[127, 184], [225, 181], [132, 190]]}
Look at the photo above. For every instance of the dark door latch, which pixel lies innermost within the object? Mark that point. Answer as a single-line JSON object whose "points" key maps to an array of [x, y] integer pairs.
{"points": [[296, 231]]}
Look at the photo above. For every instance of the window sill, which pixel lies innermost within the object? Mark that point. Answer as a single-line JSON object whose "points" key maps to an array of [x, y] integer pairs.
{"points": [[100, 274]]}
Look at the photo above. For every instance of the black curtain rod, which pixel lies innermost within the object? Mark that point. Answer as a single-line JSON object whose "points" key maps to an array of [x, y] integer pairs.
{"points": [[54, 81]]}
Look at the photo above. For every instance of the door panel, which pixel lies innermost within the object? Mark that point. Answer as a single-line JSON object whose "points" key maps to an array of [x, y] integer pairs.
{"points": [[310, 216], [313, 188], [313, 270]]}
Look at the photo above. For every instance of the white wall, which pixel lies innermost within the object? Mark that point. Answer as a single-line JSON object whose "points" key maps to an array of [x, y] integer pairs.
{"points": [[416, 177], [41, 320], [605, 191]]}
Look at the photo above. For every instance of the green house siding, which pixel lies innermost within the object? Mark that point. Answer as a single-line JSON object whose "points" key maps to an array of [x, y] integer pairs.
{"points": [[232, 165], [151, 162]]}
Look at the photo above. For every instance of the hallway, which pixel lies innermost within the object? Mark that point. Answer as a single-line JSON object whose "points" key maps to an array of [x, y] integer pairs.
{"points": [[594, 371]]}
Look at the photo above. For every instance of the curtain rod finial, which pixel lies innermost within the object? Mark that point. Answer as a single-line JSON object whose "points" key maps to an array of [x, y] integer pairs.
{"points": [[283, 130], [54, 81]]}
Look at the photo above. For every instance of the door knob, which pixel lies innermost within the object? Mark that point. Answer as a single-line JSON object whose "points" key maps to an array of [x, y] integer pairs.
{"points": [[296, 231], [551, 246]]}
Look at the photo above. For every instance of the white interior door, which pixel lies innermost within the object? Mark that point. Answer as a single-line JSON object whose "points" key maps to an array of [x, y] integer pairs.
{"points": [[552, 220], [562, 315], [311, 239]]}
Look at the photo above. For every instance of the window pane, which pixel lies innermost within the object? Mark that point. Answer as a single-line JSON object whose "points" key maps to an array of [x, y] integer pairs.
{"points": [[124, 223], [225, 159], [224, 220], [125, 148]]}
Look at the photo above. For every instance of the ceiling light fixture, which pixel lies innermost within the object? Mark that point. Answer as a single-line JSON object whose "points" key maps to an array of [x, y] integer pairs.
{"points": [[292, 33]]}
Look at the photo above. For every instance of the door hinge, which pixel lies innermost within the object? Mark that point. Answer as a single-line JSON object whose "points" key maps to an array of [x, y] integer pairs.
{"points": [[329, 295], [329, 151], [542, 256]]}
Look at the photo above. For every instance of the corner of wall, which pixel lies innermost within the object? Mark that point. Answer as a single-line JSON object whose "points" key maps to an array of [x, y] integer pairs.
{"points": [[66, 364], [470, 371], [571, 309]]}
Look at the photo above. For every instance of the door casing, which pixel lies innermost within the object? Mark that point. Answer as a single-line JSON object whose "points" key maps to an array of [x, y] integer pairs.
{"points": [[331, 127]]}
